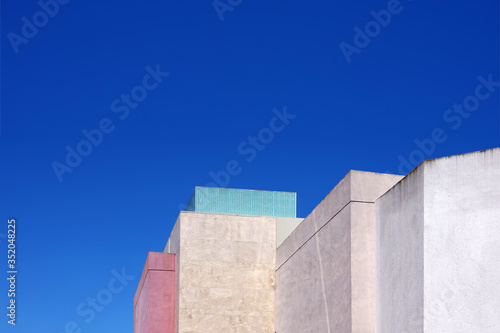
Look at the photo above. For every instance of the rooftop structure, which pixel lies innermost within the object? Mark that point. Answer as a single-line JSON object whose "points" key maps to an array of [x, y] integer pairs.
{"points": [[243, 202]]}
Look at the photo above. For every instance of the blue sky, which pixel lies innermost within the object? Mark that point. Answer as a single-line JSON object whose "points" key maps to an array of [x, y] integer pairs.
{"points": [[172, 93]]}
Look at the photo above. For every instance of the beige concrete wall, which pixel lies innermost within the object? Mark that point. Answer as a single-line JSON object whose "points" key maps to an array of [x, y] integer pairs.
{"points": [[226, 277], [325, 270]]}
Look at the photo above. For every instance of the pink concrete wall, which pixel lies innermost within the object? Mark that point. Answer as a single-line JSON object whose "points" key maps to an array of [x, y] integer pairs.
{"points": [[154, 301]]}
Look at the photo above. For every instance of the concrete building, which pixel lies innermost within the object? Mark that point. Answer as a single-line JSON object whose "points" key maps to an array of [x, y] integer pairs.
{"points": [[381, 253]]}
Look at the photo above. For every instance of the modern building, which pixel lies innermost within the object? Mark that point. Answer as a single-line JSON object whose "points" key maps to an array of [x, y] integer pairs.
{"points": [[381, 253]]}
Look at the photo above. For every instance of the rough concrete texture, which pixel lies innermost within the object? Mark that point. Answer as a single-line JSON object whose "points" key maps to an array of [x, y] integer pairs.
{"points": [[325, 268], [154, 304], [399, 253], [313, 288], [438, 235], [362, 234], [226, 272]]}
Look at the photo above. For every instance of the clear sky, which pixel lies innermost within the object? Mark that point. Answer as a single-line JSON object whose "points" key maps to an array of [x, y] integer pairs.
{"points": [[112, 111]]}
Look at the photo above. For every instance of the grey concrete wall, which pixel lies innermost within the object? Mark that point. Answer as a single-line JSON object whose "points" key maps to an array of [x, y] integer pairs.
{"points": [[362, 235], [399, 253], [325, 269], [438, 245], [313, 287]]}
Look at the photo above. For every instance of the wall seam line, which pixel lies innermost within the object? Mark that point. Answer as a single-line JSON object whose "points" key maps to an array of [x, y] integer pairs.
{"points": [[307, 240]]}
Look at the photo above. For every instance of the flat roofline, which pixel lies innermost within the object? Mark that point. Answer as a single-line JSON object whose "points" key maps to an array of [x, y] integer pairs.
{"points": [[243, 189]]}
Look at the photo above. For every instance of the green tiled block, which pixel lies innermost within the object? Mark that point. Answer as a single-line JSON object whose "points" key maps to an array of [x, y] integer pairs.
{"points": [[243, 202]]}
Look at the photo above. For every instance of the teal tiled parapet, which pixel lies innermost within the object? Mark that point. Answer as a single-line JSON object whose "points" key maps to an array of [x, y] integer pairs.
{"points": [[243, 202]]}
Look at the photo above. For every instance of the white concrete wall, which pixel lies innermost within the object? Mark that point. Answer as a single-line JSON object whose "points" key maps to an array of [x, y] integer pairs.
{"points": [[462, 243], [438, 247], [325, 270]]}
